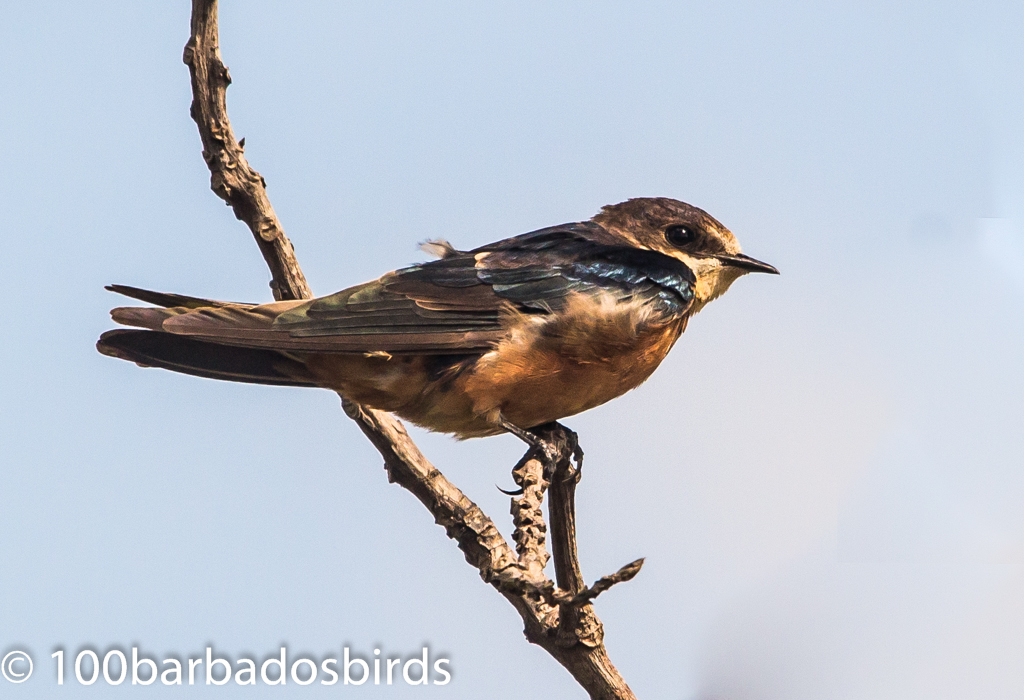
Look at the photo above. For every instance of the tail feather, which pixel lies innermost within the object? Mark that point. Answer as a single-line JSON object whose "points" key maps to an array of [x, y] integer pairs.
{"points": [[164, 299], [145, 316], [202, 359]]}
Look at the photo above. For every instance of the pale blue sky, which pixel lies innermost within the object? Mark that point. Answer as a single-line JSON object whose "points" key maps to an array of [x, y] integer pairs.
{"points": [[825, 476]]}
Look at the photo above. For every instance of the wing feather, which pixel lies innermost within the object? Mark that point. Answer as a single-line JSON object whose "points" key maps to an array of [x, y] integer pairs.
{"points": [[455, 304]]}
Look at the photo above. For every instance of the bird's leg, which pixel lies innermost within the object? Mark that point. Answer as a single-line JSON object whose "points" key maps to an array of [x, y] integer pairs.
{"points": [[529, 438], [548, 452], [535, 442]]}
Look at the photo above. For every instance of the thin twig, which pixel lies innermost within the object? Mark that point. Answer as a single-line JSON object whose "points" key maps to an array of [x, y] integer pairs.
{"points": [[558, 596], [231, 178], [462, 519]]}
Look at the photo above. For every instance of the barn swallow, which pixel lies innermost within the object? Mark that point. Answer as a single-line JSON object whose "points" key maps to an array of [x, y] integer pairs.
{"points": [[505, 337]]}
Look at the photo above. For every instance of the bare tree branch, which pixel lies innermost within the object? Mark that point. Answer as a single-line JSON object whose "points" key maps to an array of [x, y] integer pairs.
{"points": [[558, 618], [625, 573], [479, 539], [528, 517], [231, 178]]}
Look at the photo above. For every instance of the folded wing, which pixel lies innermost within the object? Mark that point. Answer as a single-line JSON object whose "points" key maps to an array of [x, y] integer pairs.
{"points": [[455, 305]]}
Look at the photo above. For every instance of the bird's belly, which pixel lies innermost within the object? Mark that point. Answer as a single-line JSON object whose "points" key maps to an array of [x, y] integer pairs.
{"points": [[561, 373], [544, 370]]}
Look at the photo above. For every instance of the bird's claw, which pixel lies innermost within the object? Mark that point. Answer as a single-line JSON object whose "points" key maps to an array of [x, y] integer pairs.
{"points": [[517, 492], [575, 473], [549, 454]]}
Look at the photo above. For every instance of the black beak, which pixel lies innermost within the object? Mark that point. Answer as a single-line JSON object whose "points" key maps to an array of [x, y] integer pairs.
{"points": [[745, 262]]}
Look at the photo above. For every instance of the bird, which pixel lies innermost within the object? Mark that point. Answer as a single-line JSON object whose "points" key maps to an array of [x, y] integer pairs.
{"points": [[502, 338]]}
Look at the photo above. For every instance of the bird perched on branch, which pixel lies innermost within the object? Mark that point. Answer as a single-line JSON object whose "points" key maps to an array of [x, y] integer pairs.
{"points": [[505, 337]]}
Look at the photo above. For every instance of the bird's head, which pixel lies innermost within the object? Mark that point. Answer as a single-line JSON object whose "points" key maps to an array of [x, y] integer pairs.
{"points": [[686, 233]]}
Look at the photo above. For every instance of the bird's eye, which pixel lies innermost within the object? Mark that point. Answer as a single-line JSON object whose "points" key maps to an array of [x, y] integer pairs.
{"points": [[679, 235]]}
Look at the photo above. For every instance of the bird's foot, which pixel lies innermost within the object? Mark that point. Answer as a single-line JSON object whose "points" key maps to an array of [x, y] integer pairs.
{"points": [[570, 471], [550, 455], [548, 452]]}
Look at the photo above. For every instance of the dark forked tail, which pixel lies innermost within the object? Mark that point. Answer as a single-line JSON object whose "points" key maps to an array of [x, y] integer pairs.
{"points": [[179, 353], [202, 359]]}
